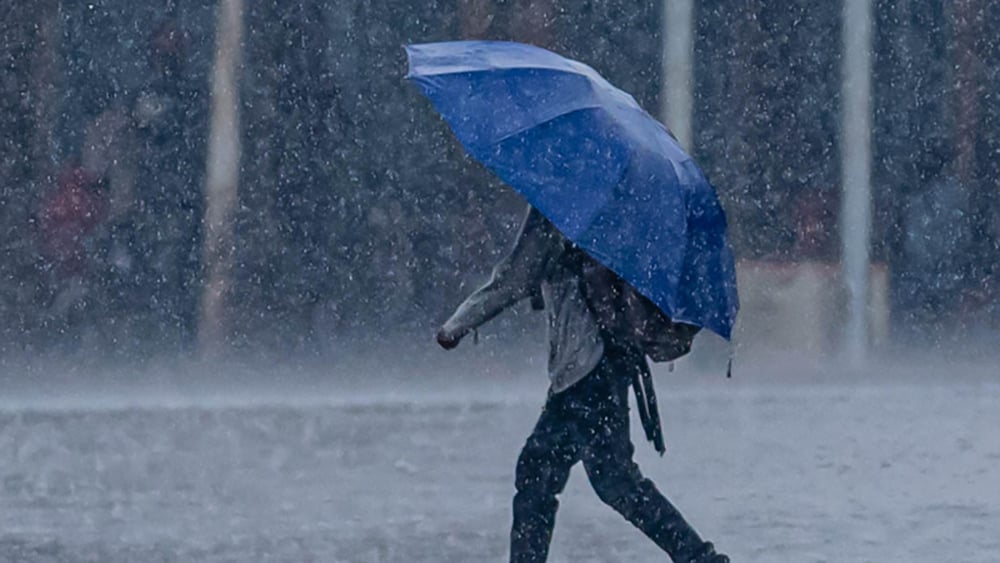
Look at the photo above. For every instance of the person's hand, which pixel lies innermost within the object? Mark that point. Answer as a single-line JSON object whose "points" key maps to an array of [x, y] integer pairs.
{"points": [[447, 341]]}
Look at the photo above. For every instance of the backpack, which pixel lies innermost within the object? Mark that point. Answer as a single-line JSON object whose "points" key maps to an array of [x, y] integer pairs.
{"points": [[628, 317], [628, 320]]}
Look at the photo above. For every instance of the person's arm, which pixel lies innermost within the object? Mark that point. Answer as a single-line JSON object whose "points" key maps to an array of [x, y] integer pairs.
{"points": [[515, 278]]}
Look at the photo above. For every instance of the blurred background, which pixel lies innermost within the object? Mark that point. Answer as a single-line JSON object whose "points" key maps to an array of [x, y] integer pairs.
{"points": [[229, 230], [352, 215]]}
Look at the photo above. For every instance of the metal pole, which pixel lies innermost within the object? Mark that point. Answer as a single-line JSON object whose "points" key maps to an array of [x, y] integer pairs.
{"points": [[223, 172], [856, 166], [678, 54], [967, 16]]}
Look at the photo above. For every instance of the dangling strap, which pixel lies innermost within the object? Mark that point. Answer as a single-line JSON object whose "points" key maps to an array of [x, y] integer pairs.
{"points": [[645, 399], [642, 377], [732, 356]]}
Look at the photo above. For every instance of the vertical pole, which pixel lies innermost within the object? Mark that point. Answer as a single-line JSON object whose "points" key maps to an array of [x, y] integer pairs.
{"points": [[968, 17], [856, 166], [678, 55], [222, 176]]}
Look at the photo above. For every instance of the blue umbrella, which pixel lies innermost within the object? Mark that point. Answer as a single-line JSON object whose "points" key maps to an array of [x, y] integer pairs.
{"points": [[609, 176]]}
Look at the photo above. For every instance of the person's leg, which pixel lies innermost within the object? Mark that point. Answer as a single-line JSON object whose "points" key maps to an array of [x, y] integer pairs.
{"points": [[607, 457], [542, 470]]}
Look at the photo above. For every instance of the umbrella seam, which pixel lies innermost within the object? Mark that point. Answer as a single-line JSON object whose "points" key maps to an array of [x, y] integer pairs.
{"points": [[540, 123]]}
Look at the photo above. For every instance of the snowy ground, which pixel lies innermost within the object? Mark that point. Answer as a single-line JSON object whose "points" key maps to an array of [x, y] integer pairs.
{"points": [[818, 468]]}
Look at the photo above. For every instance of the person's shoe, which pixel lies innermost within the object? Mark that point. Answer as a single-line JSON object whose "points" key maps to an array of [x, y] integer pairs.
{"points": [[705, 553]]}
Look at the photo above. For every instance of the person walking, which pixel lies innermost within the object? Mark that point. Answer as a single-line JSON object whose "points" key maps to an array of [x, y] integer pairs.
{"points": [[586, 413]]}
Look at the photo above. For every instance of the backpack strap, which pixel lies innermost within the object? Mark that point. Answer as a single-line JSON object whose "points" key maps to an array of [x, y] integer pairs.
{"points": [[634, 356], [645, 399], [732, 356]]}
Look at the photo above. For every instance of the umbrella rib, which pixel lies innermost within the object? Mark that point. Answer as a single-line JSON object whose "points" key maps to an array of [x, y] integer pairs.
{"points": [[487, 68], [543, 122]]}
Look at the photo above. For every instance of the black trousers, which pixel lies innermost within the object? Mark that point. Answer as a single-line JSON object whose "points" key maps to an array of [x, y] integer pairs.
{"points": [[589, 422]]}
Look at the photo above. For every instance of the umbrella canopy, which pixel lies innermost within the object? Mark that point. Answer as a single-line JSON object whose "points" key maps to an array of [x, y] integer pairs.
{"points": [[609, 176]]}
